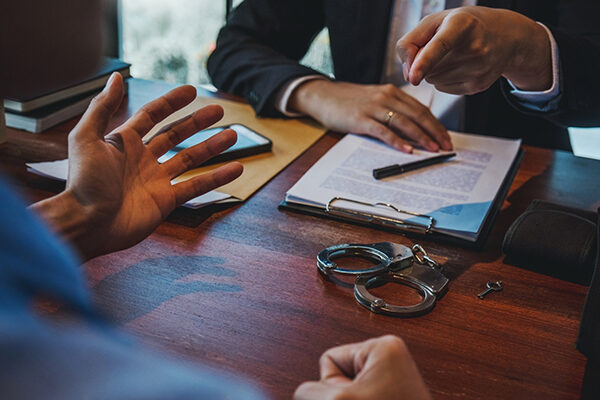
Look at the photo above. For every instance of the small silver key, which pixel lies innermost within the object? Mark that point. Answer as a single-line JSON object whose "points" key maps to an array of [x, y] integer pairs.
{"points": [[491, 287]]}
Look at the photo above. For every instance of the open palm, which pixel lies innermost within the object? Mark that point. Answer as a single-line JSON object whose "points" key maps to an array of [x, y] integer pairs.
{"points": [[116, 180]]}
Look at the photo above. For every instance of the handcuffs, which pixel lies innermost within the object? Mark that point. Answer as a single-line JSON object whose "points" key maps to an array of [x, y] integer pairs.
{"points": [[396, 263]]}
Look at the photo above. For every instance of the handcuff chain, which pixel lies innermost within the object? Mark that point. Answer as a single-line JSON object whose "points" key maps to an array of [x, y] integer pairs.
{"points": [[423, 258]]}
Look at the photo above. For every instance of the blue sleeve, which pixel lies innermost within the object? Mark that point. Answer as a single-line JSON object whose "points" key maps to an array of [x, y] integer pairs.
{"points": [[78, 356], [34, 260]]}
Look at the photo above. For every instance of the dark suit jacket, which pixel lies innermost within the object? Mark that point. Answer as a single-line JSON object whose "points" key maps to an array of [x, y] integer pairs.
{"points": [[259, 48]]}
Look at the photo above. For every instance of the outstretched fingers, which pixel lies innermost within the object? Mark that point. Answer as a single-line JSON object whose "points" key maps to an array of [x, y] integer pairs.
{"points": [[196, 155], [204, 183], [173, 134], [152, 113]]}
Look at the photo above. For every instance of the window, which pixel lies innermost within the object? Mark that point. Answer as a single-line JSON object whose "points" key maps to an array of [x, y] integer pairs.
{"points": [[171, 41]]}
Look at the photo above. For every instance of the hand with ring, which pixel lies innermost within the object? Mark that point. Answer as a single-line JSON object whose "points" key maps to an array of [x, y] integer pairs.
{"points": [[388, 118], [381, 111]]}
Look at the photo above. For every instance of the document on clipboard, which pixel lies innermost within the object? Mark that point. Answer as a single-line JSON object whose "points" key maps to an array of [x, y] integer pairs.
{"points": [[457, 199]]}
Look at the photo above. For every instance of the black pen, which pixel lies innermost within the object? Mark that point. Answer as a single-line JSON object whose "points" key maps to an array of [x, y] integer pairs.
{"points": [[391, 170]]}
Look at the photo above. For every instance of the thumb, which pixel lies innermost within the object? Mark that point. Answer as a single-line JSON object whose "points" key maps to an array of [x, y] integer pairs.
{"points": [[95, 120], [319, 390]]}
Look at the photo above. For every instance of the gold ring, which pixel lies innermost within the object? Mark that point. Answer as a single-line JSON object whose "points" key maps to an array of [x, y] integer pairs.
{"points": [[388, 117]]}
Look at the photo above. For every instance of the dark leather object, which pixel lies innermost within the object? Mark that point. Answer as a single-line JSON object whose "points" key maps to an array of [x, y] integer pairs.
{"points": [[555, 240]]}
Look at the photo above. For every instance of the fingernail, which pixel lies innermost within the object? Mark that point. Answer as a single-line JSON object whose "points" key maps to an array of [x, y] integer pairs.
{"points": [[432, 146], [405, 70], [400, 51], [110, 80], [447, 145], [407, 148], [416, 78]]}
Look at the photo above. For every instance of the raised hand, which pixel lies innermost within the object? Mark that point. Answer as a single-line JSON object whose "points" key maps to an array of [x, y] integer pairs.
{"points": [[117, 193], [380, 368], [465, 50], [381, 111]]}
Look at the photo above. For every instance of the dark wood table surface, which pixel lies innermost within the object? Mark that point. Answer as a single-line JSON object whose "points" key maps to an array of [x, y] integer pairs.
{"points": [[237, 287]]}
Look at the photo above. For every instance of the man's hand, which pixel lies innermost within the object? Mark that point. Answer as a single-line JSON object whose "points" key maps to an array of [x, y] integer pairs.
{"points": [[117, 193], [365, 109], [379, 368], [465, 50]]}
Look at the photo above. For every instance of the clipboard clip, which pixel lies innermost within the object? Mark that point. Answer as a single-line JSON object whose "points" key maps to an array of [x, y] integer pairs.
{"points": [[363, 216]]}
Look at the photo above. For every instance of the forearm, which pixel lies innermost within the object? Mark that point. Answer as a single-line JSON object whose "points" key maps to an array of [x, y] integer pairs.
{"points": [[259, 49], [257, 74]]}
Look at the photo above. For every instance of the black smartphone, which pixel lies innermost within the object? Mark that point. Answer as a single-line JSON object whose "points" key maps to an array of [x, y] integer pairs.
{"points": [[248, 143]]}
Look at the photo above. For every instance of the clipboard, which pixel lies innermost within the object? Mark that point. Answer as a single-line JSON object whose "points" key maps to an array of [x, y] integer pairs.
{"points": [[422, 230]]}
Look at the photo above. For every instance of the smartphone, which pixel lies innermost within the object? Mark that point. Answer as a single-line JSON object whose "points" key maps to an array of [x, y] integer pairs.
{"points": [[248, 143]]}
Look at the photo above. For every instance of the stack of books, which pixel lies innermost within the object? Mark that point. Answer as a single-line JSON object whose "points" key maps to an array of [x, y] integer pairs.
{"points": [[49, 108]]}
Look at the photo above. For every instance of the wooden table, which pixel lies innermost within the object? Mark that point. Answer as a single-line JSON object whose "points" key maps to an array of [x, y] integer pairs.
{"points": [[237, 287]]}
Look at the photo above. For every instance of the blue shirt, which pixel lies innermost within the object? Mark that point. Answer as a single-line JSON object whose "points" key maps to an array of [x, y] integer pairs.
{"points": [[80, 356]]}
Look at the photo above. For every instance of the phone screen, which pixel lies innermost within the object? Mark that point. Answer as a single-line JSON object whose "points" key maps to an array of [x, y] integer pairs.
{"points": [[248, 143]]}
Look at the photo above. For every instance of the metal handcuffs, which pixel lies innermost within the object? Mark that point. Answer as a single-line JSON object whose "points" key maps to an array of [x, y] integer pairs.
{"points": [[397, 263]]}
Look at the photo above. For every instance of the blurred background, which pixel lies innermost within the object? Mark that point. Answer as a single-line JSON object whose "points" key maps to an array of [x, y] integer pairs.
{"points": [[171, 41]]}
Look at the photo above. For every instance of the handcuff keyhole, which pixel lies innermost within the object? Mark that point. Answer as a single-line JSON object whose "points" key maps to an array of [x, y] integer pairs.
{"points": [[396, 293]]}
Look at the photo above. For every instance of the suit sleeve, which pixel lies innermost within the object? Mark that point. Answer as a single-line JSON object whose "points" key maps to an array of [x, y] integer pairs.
{"points": [[259, 49], [577, 34]]}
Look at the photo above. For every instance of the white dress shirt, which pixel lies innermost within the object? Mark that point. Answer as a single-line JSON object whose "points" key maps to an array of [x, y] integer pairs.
{"points": [[406, 14]]}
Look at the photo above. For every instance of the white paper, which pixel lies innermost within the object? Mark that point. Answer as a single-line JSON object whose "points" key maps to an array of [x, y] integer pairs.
{"points": [[51, 169], [59, 170], [585, 142], [457, 193]]}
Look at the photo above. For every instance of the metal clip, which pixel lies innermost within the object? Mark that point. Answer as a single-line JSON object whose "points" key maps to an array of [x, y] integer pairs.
{"points": [[399, 221]]}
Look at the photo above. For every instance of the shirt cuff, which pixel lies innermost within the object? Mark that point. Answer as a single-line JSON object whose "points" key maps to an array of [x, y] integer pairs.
{"points": [[283, 97], [542, 100]]}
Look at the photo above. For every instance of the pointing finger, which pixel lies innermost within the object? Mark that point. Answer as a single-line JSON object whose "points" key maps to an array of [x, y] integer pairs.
{"points": [[447, 37], [409, 45]]}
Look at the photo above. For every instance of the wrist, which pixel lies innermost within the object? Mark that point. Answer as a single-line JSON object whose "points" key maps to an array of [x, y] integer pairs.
{"points": [[531, 66], [69, 219], [305, 99]]}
